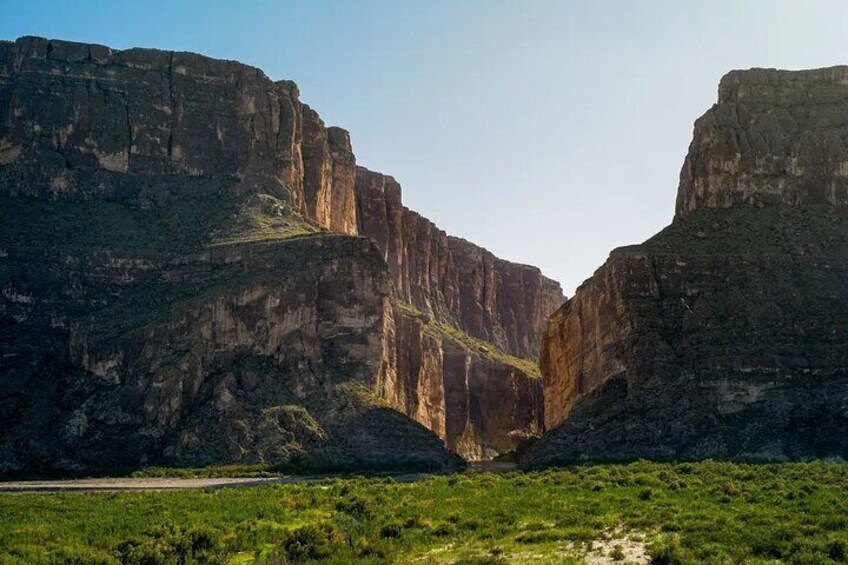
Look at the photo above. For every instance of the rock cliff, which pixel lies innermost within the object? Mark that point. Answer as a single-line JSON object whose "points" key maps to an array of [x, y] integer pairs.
{"points": [[481, 401], [182, 282], [85, 121], [723, 335], [116, 360], [451, 279], [468, 327], [773, 137]]}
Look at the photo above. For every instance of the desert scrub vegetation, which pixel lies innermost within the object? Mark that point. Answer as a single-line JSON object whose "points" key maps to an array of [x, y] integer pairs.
{"points": [[212, 472], [705, 512], [180, 225]]}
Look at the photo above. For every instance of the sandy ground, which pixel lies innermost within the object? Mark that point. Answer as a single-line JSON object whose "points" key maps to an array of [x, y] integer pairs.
{"points": [[128, 483], [136, 484], [619, 547]]}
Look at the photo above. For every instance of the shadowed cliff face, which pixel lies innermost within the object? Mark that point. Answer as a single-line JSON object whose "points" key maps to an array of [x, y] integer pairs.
{"points": [[117, 360], [723, 335], [173, 290], [481, 404], [84, 121]]}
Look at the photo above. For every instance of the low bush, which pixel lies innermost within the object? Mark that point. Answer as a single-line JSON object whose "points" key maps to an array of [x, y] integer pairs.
{"points": [[315, 541]]}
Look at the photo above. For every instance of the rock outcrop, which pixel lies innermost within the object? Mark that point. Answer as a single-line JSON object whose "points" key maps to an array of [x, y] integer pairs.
{"points": [[723, 335], [329, 174], [451, 279], [182, 282], [479, 400], [85, 121], [774, 137], [469, 332], [214, 357]]}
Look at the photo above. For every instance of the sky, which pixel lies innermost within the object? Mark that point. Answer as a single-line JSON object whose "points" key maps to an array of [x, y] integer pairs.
{"points": [[549, 132]]}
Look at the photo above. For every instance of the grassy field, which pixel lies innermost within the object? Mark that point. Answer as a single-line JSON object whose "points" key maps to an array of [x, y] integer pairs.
{"points": [[663, 513]]}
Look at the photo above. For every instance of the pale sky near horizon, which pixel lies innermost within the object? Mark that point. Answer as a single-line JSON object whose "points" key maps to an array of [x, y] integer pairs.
{"points": [[548, 132]]}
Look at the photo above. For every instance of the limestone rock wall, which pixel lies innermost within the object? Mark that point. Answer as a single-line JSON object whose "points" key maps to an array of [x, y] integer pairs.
{"points": [[481, 407], [219, 357], [330, 174], [502, 302], [451, 279], [773, 137], [150, 198], [87, 121], [478, 404], [721, 336]]}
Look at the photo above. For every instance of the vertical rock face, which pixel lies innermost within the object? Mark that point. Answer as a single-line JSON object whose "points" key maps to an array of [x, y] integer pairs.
{"points": [[774, 137], [179, 284], [479, 404], [505, 303], [85, 121], [723, 335], [415, 250], [451, 279], [330, 174], [116, 360]]}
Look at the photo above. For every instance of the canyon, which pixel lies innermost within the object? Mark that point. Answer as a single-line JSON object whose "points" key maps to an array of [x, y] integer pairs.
{"points": [[722, 336], [195, 271]]}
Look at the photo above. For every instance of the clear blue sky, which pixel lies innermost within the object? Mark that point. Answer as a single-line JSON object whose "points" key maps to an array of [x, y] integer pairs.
{"points": [[549, 132]]}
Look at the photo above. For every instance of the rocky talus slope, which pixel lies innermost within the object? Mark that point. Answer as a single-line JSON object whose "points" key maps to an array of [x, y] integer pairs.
{"points": [[724, 335], [194, 271]]}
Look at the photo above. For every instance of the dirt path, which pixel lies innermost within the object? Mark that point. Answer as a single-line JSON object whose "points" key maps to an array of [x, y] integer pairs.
{"points": [[141, 484], [118, 484]]}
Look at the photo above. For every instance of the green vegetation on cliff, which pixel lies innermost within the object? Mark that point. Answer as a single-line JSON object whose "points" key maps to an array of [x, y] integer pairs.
{"points": [[452, 333], [811, 231], [180, 225], [669, 513]]}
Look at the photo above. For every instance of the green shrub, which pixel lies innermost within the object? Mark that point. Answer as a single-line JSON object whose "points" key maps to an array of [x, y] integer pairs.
{"points": [[171, 544], [76, 556], [837, 550], [667, 551], [356, 506], [443, 530], [315, 541], [390, 531], [617, 553]]}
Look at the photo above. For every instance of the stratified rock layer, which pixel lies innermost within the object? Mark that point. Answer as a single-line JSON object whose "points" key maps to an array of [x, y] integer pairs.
{"points": [[115, 360], [774, 137], [85, 121], [173, 291], [723, 335], [481, 405], [451, 279]]}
